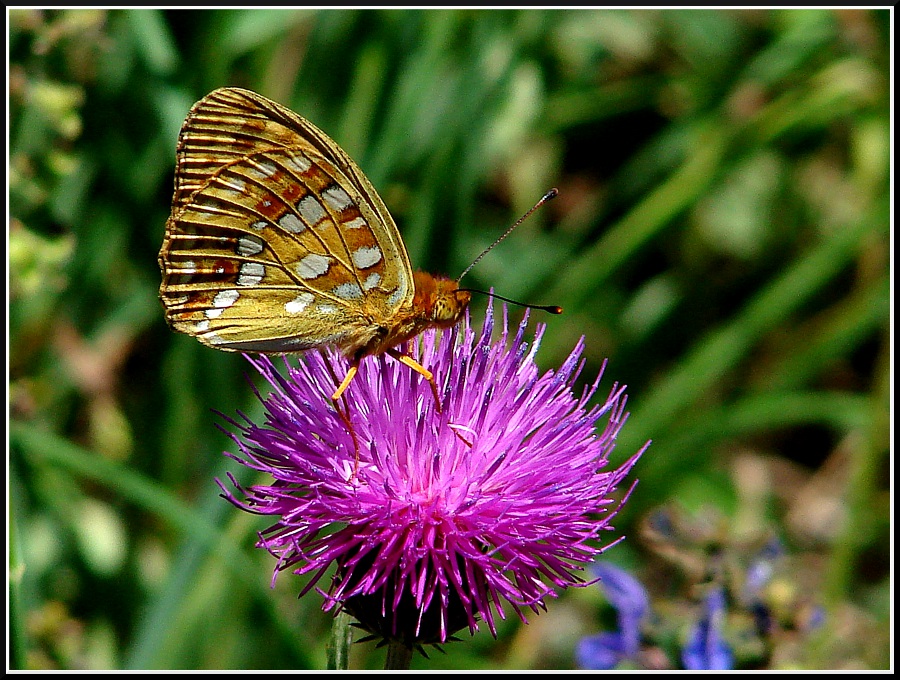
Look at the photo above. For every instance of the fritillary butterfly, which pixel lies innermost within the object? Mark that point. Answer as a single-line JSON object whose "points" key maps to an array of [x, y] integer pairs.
{"points": [[278, 243]]}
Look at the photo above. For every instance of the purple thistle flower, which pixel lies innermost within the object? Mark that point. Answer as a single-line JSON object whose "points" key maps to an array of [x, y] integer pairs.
{"points": [[497, 500]]}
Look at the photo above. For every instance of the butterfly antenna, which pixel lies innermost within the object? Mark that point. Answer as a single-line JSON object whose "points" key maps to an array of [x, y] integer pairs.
{"points": [[553, 309], [546, 197]]}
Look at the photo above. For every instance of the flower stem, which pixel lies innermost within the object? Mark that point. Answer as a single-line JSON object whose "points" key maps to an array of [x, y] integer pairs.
{"points": [[338, 650], [399, 656]]}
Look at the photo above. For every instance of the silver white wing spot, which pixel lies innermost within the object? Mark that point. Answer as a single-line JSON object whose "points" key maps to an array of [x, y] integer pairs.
{"points": [[313, 266], [311, 210], [251, 274], [290, 222], [337, 198], [367, 256], [299, 303], [222, 300]]}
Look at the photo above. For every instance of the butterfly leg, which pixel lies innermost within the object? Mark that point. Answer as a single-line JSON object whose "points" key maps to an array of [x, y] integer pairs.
{"points": [[354, 367], [345, 412], [429, 376], [418, 368], [345, 416]]}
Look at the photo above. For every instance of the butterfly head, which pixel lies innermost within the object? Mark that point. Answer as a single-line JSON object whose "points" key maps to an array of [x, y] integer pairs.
{"points": [[439, 299]]}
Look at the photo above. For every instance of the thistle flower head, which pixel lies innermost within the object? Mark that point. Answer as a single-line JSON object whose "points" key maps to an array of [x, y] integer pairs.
{"points": [[447, 518]]}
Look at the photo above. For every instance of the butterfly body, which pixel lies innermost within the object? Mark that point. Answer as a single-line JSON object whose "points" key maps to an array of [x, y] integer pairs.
{"points": [[277, 242], [437, 303]]}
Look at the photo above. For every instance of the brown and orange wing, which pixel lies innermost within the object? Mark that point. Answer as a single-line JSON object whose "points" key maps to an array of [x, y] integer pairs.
{"points": [[277, 241]]}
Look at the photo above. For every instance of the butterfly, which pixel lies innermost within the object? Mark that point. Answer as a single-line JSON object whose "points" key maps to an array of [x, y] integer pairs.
{"points": [[278, 243]]}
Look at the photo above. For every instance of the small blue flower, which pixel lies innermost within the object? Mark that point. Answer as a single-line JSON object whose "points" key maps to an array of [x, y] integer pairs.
{"points": [[626, 594], [706, 649], [761, 569], [815, 618], [759, 574], [601, 652]]}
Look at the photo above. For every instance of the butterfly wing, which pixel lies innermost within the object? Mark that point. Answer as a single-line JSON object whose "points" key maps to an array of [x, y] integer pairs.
{"points": [[277, 241]]}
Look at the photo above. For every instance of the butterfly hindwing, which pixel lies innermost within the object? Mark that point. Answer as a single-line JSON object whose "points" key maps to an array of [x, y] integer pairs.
{"points": [[277, 241]]}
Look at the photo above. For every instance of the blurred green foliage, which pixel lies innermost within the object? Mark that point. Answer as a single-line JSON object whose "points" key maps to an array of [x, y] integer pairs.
{"points": [[722, 235]]}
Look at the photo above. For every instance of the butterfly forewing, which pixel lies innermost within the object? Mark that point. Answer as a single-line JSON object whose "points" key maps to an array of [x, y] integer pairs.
{"points": [[277, 242]]}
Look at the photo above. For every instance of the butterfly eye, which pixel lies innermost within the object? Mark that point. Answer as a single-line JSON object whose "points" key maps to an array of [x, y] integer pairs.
{"points": [[449, 307], [444, 311]]}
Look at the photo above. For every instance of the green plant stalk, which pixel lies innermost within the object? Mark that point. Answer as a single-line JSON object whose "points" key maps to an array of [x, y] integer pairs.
{"points": [[203, 538], [339, 644], [722, 348]]}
